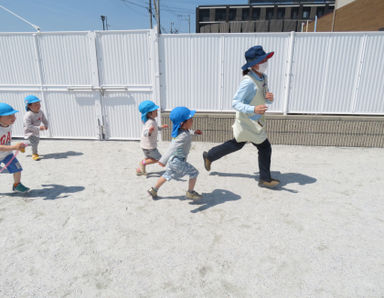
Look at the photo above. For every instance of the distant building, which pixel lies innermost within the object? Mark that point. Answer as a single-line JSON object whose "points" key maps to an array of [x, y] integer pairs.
{"points": [[352, 15], [261, 15]]}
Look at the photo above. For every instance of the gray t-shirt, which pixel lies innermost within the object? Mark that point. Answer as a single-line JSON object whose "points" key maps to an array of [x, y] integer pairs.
{"points": [[179, 146], [32, 122]]}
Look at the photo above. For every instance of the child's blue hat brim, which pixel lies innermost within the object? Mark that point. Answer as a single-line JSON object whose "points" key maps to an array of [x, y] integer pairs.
{"points": [[6, 109], [146, 107], [178, 116], [30, 99]]}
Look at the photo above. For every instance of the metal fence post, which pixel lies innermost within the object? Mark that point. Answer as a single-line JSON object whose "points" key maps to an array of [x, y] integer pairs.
{"points": [[95, 82], [40, 72], [154, 55], [288, 73], [356, 85]]}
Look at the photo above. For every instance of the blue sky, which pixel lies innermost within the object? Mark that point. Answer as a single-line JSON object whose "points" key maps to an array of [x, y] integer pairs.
{"points": [[84, 15]]}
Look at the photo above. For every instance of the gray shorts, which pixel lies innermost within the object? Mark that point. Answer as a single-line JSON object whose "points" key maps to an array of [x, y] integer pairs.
{"points": [[152, 153], [178, 168]]}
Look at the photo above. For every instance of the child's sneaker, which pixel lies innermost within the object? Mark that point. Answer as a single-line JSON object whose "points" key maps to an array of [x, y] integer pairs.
{"points": [[153, 192], [140, 173], [141, 169], [193, 195], [20, 188], [35, 157]]}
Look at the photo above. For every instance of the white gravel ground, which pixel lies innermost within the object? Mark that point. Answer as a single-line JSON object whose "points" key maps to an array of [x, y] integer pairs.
{"points": [[89, 229]]}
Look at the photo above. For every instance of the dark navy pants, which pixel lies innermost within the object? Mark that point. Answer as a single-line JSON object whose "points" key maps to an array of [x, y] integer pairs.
{"points": [[264, 149]]}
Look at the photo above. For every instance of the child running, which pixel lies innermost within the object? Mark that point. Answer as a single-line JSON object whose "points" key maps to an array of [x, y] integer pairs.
{"points": [[32, 123], [177, 153], [148, 142], [9, 163]]}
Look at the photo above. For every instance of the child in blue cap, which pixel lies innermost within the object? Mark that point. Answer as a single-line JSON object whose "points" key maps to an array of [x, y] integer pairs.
{"points": [[9, 164], [176, 156], [148, 142], [32, 123]]}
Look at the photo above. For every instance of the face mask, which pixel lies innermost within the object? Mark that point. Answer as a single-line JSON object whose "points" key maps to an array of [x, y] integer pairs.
{"points": [[263, 67]]}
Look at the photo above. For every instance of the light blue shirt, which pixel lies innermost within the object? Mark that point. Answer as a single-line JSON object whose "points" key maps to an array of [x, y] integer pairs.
{"points": [[244, 95]]}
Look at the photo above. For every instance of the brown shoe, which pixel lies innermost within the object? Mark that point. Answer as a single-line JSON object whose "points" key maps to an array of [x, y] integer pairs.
{"points": [[271, 184], [153, 192], [207, 162], [193, 195]]}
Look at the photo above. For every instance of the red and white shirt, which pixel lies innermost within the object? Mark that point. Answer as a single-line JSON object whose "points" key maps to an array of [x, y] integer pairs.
{"points": [[5, 139]]}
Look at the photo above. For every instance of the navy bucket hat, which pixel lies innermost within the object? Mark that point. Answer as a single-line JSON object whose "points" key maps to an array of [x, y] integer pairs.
{"points": [[254, 56], [179, 115], [146, 107]]}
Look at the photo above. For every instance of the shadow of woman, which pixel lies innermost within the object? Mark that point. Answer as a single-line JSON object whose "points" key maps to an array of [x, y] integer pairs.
{"points": [[216, 197], [285, 178], [49, 192]]}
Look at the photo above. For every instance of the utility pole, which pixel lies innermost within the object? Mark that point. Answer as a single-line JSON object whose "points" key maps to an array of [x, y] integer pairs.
{"points": [[37, 28], [334, 17], [103, 19], [157, 10], [150, 13]]}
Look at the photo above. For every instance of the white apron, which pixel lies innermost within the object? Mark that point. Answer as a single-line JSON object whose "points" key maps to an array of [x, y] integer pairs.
{"points": [[246, 129]]}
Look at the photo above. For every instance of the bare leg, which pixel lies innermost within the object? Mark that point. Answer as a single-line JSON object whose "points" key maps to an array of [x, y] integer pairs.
{"points": [[143, 163], [149, 161], [191, 184], [160, 182], [17, 177]]}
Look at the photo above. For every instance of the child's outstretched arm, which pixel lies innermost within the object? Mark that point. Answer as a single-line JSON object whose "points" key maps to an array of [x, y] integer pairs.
{"points": [[195, 132], [17, 146]]}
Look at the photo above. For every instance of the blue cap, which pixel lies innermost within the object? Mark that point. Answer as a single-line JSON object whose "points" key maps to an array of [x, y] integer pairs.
{"points": [[179, 115], [146, 107], [30, 99], [6, 109], [254, 56]]}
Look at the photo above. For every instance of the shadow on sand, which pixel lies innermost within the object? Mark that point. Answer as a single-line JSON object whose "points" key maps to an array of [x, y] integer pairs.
{"points": [[160, 173], [285, 178], [49, 192], [61, 155], [216, 197]]}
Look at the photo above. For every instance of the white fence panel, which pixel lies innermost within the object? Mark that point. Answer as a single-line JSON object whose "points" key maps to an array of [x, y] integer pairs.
{"points": [[124, 58], [203, 71], [324, 71], [188, 67], [370, 94], [65, 58], [126, 67], [72, 114], [17, 60], [121, 114]]}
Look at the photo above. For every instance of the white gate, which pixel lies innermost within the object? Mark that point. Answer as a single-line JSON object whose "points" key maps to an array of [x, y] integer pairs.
{"points": [[90, 83]]}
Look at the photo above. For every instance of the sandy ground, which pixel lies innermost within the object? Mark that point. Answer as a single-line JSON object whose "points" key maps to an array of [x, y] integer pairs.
{"points": [[89, 229]]}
